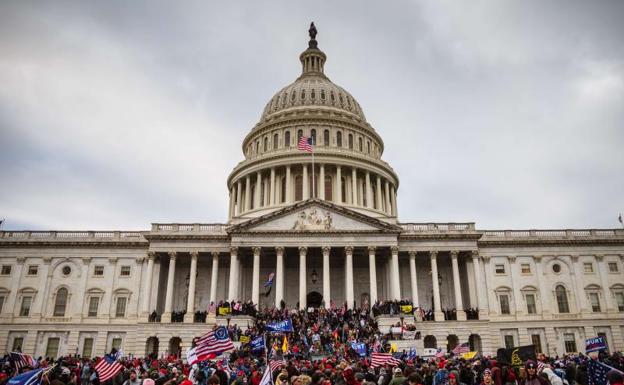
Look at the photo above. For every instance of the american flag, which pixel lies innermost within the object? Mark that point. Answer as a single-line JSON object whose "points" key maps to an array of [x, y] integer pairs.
{"points": [[462, 348], [598, 372], [214, 342], [305, 144], [274, 365], [440, 353], [21, 360], [380, 359], [107, 367]]}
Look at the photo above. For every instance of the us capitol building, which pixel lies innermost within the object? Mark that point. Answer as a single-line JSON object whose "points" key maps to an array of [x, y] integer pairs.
{"points": [[334, 239]]}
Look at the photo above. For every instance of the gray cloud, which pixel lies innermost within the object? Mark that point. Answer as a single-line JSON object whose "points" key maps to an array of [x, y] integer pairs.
{"points": [[116, 114]]}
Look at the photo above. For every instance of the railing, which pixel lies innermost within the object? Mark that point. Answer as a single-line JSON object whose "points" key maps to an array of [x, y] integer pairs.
{"points": [[437, 227], [218, 228], [134, 235], [545, 234]]}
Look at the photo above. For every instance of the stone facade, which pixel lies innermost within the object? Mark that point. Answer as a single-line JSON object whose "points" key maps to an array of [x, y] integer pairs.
{"points": [[328, 227]]}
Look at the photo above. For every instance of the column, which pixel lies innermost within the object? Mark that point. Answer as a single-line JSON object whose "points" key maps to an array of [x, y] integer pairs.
{"points": [[544, 293], [578, 273], [481, 302], [378, 195], [393, 202], [190, 302], [396, 279], [272, 188], [413, 277], [214, 277], [233, 283], [248, 193], [354, 198], [303, 251], [338, 197], [231, 206], [388, 206], [239, 195], [305, 182], [279, 276], [515, 286], [166, 317], [321, 183], [369, 197], [257, 202], [459, 305], [372, 272], [326, 277], [437, 307], [288, 198], [349, 276], [255, 277], [604, 282], [147, 294]]}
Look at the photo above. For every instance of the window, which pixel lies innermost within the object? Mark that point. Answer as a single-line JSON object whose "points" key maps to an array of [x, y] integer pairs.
{"points": [[275, 141], [504, 303], [350, 142], [18, 342], [2, 297], [287, 139], [368, 147], [569, 342], [588, 267], [562, 299], [339, 139], [120, 310], [556, 268], [613, 267], [25, 307], [6, 270], [87, 347], [509, 341], [125, 271], [326, 138], [536, 340], [66, 270], [525, 268], [530, 302], [298, 187], [328, 188], [595, 302], [619, 299], [53, 346], [60, 303], [299, 135], [94, 303], [313, 136], [603, 335], [98, 270], [360, 147], [499, 269], [265, 147], [116, 344], [32, 270]]}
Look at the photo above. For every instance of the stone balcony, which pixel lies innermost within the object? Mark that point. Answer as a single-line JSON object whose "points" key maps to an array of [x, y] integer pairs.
{"points": [[47, 238], [565, 236]]}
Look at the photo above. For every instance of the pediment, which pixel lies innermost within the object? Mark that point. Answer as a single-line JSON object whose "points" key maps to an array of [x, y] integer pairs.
{"points": [[314, 216]]}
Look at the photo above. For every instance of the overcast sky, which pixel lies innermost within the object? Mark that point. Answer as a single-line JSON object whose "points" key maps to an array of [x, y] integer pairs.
{"points": [[116, 114]]}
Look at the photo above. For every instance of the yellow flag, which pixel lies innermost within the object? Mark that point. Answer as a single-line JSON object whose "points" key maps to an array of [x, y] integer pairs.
{"points": [[245, 339], [407, 309], [393, 347], [468, 355], [285, 345]]}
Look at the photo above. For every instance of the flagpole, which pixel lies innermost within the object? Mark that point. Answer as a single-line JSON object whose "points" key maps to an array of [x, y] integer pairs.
{"points": [[313, 177]]}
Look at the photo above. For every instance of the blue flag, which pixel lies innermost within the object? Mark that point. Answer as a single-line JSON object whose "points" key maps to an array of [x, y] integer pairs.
{"points": [[597, 372], [32, 377], [269, 281], [257, 344], [282, 326], [359, 348], [411, 354]]}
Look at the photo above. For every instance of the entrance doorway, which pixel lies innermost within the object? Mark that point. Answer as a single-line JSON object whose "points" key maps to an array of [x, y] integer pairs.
{"points": [[314, 299]]}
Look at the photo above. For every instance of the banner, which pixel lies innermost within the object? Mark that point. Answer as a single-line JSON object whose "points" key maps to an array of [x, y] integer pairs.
{"points": [[407, 309], [283, 326], [409, 334], [396, 330], [516, 356], [468, 355], [257, 344], [429, 352], [244, 339], [359, 348], [595, 344], [224, 310]]}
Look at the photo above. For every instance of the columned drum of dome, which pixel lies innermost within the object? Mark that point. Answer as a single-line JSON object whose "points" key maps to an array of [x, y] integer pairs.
{"points": [[348, 169]]}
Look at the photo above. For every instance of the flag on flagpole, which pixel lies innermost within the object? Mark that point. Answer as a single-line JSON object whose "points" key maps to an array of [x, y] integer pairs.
{"points": [[214, 342], [107, 367], [620, 219], [31, 377], [191, 356], [380, 359], [462, 348], [285, 345], [21, 360], [305, 144], [269, 284], [597, 372]]}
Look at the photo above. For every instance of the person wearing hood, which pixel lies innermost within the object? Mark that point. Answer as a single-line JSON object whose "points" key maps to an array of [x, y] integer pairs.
{"points": [[532, 377], [487, 377]]}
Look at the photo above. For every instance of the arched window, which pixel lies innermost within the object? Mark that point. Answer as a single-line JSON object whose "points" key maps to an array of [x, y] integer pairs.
{"points": [[326, 138], [339, 139], [282, 188], [350, 141], [562, 299], [299, 135], [275, 141], [313, 136], [257, 147], [287, 139], [368, 145], [266, 144], [360, 144], [60, 303]]}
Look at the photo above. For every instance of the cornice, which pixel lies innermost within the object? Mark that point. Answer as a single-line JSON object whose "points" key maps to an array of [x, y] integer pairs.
{"points": [[550, 242], [85, 244]]}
